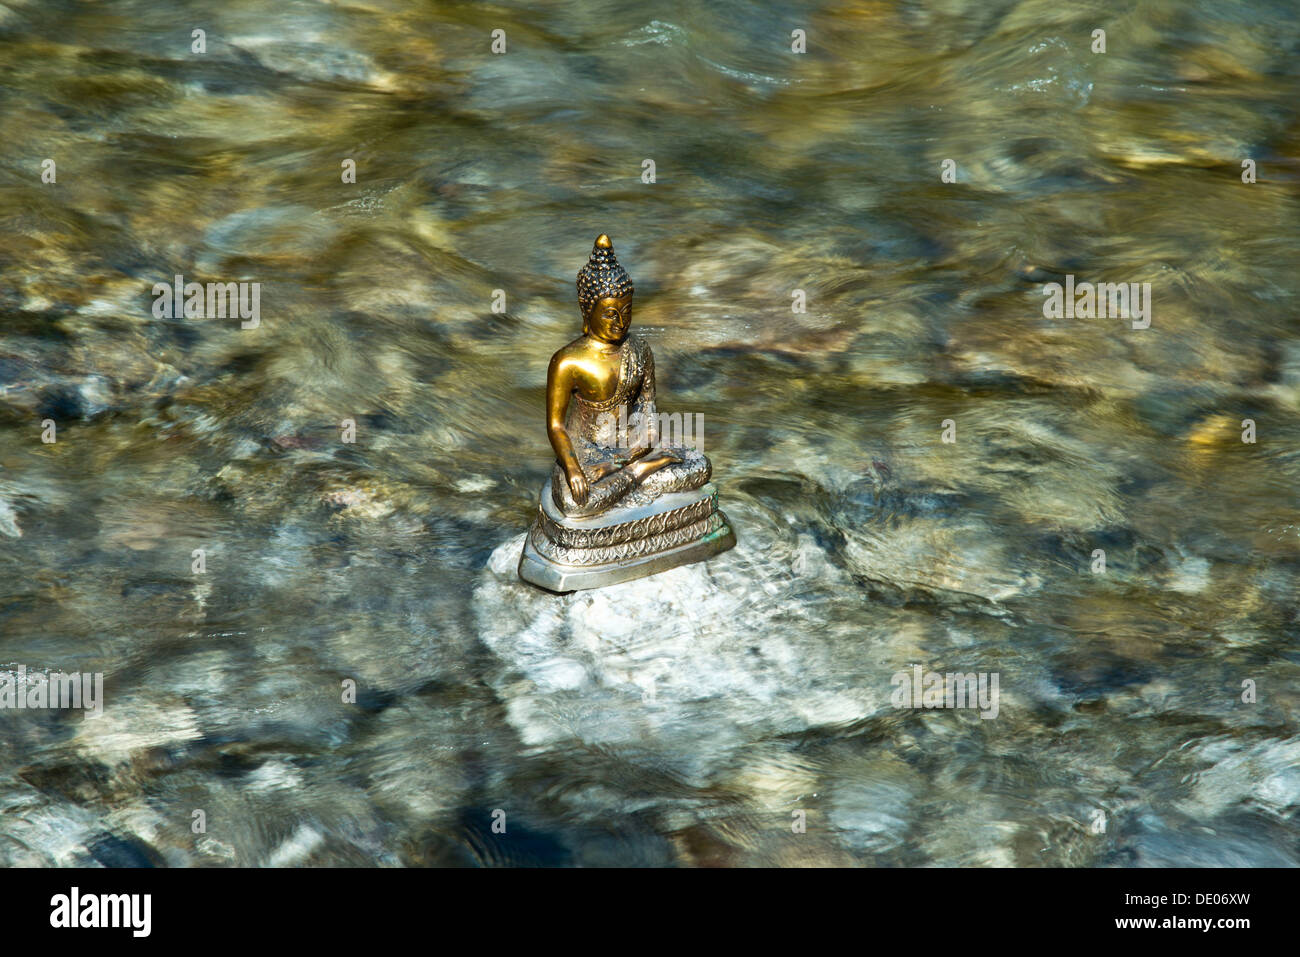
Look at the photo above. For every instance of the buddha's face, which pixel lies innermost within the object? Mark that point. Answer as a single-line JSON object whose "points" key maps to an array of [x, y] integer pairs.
{"points": [[609, 319]]}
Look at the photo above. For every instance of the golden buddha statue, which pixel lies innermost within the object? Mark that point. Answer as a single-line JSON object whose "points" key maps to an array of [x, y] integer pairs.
{"points": [[618, 504]]}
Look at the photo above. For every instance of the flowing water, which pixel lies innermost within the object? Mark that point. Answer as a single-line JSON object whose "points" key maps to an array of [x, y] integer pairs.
{"points": [[1147, 710]]}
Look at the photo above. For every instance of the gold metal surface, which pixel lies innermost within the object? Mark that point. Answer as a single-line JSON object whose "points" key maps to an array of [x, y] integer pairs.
{"points": [[602, 422]]}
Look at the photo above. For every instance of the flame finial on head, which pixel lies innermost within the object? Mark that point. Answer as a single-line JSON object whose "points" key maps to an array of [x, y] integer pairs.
{"points": [[602, 276]]}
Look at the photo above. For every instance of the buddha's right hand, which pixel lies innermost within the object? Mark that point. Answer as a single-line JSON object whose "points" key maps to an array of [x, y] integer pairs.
{"points": [[578, 486]]}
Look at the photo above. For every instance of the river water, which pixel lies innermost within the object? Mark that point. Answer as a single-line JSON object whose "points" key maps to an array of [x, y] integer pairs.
{"points": [[739, 712]]}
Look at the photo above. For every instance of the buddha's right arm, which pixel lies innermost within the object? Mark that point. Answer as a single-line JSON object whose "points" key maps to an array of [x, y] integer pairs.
{"points": [[558, 388]]}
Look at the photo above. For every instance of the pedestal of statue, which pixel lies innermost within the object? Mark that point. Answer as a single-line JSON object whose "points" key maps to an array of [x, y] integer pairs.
{"points": [[564, 553]]}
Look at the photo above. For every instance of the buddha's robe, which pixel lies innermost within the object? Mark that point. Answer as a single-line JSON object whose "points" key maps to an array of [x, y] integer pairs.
{"points": [[607, 431]]}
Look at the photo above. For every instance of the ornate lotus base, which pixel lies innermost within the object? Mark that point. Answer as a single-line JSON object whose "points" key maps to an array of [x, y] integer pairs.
{"points": [[566, 554]]}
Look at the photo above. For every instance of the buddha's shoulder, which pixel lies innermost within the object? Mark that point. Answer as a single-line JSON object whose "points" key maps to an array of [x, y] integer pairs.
{"points": [[572, 352], [640, 346]]}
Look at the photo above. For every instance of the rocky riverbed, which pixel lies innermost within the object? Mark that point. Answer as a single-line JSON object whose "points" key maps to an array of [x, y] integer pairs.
{"points": [[922, 468]]}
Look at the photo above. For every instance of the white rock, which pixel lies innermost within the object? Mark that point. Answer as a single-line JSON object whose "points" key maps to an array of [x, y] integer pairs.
{"points": [[687, 663]]}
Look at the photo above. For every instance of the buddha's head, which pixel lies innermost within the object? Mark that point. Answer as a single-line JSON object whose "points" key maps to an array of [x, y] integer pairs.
{"points": [[605, 294]]}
